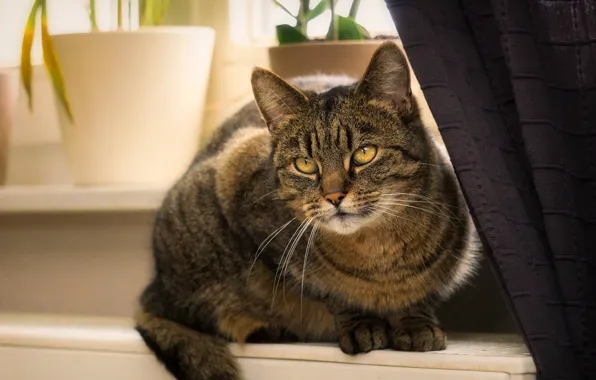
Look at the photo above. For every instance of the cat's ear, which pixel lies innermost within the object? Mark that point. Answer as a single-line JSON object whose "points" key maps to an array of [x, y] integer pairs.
{"points": [[278, 101], [387, 78]]}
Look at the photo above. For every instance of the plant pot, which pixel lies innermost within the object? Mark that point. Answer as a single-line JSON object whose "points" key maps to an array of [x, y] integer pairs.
{"points": [[349, 58], [8, 89], [322, 57], [137, 98]]}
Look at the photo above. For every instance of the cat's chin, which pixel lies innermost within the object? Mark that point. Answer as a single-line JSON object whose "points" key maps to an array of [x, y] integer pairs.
{"points": [[345, 224]]}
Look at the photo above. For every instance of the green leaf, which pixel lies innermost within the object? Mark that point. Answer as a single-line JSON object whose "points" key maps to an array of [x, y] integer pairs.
{"points": [[147, 10], [318, 10], [287, 34], [349, 29], [51, 62], [163, 7], [363, 30], [26, 67]]}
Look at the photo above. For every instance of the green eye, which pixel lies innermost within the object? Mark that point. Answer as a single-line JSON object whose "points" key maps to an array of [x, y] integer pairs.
{"points": [[306, 165], [364, 155]]}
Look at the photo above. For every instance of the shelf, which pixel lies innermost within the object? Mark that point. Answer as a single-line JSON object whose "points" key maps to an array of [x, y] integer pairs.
{"points": [[61, 199], [487, 353]]}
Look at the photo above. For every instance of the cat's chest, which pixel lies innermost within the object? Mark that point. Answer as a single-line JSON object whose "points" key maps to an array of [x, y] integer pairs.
{"points": [[375, 254], [375, 275]]}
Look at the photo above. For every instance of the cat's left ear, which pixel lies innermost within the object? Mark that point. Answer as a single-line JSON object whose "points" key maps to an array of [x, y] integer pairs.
{"points": [[387, 78], [278, 101]]}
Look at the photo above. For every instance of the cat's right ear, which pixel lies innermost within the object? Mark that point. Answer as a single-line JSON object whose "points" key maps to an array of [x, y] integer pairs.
{"points": [[278, 101]]}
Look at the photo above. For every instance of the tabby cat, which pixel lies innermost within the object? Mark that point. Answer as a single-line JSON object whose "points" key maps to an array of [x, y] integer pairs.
{"points": [[321, 212]]}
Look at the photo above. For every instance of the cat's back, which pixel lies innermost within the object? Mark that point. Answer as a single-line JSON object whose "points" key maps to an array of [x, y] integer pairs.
{"points": [[247, 117]]}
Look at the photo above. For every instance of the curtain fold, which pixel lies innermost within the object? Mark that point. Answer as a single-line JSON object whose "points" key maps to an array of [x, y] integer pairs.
{"points": [[512, 86]]}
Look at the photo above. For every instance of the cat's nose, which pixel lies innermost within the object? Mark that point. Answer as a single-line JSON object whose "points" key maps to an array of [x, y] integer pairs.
{"points": [[335, 198]]}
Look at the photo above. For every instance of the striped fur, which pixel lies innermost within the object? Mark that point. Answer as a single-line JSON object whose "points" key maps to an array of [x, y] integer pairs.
{"points": [[247, 249]]}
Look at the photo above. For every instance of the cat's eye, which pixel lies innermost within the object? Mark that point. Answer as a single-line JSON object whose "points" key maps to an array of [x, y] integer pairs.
{"points": [[364, 155], [306, 165]]}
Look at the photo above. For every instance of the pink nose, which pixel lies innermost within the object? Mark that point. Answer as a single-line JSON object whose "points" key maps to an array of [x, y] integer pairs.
{"points": [[335, 198]]}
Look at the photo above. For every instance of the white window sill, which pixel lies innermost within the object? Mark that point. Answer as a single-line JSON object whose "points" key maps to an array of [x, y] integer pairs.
{"points": [[64, 199], [112, 347]]}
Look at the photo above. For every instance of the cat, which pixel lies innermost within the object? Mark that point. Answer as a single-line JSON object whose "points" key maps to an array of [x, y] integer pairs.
{"points": [[321, 212]]}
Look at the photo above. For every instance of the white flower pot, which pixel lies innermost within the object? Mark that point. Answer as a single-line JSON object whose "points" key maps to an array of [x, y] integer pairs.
{"points": [[137, 98]]}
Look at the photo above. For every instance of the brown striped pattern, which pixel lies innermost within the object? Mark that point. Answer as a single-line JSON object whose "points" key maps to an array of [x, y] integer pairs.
{"points": [[247, 249]]}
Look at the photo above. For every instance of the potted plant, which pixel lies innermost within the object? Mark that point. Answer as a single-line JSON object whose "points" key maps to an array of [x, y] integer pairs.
{"points": [[130, 102], [346, 49]]}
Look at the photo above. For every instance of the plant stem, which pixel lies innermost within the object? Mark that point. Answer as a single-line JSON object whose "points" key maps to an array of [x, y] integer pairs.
{"points": [[92, 15], [284, 8], [302, 23], [354, 9], [119, 14], [334, 25], [129, 14]]}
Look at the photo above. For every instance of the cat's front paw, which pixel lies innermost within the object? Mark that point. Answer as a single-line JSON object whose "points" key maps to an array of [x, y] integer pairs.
{"points": [[420, 337], [363, 335]]}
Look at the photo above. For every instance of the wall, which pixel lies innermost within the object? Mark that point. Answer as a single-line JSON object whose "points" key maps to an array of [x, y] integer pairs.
{"points": [[229, 87]]}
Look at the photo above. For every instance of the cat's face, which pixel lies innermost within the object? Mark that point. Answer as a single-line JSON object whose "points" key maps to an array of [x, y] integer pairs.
{"points": [[343, 156]]}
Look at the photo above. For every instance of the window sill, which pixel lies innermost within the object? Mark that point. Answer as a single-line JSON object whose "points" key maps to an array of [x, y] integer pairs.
{"points": [[103, 340], [67, 199]]}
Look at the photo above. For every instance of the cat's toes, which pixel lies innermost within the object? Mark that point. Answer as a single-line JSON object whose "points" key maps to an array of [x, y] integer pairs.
{"points": [[419, 337], [364, 336]]}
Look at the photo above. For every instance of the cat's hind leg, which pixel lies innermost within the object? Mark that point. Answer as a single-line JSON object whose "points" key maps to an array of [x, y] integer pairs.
{"points": [[187, 354]]}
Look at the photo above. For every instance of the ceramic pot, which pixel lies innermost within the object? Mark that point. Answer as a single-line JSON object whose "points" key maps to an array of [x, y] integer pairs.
{"points": [[137, 98], [325, 57]]}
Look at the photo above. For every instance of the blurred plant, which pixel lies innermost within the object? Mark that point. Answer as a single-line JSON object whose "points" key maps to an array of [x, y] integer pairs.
{"points": [[340, 27], [92, 15], [152, 12], [49, 56]]}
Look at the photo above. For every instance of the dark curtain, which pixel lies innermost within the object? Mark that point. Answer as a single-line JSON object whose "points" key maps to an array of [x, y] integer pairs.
{"points": [[512, 86]]}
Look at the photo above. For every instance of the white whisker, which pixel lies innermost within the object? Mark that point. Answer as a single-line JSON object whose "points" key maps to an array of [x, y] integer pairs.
{"points": [[427, 232], [264, 245], [281, 265], [432, 212], [311, 240], [291, 253], [422, 197], [407, 205], [392, 212], [433, 165], [264, 196]]}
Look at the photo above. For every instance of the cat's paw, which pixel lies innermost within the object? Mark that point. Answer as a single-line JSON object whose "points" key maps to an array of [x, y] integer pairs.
{"points": [[364, 335], [420, 337]]}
